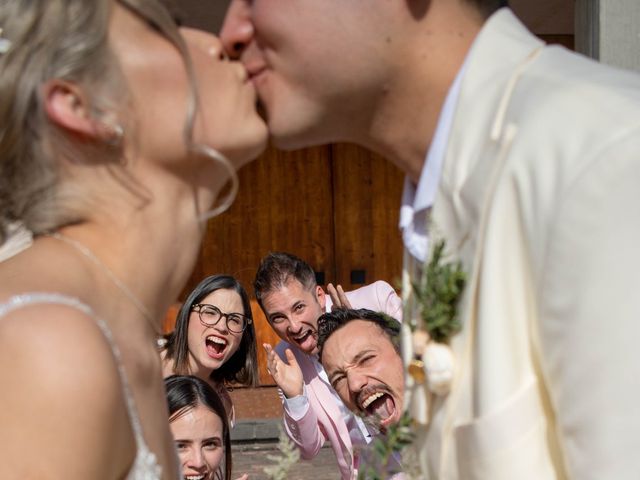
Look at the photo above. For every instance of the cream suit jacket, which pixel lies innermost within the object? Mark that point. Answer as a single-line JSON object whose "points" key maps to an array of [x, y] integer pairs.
{"points": [[540, 200], [323, 420]]}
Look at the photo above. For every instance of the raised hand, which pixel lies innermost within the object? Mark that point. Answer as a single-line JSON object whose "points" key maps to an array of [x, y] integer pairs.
{"points": [[338, 297], [287, 375]]}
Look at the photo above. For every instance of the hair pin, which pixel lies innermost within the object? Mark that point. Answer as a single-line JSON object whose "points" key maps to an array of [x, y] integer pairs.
{"points": [[5, 43]]}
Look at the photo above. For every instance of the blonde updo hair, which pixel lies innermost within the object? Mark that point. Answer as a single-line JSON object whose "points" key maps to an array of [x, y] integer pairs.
{"points": [[67, 40]]}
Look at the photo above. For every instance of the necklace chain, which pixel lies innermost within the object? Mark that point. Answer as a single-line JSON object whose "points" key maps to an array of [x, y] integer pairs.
{"points": [[88, 253]]}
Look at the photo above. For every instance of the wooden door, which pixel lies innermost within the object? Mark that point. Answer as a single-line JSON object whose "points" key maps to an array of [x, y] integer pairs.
{"points": [[335, 206], [368, 245]]}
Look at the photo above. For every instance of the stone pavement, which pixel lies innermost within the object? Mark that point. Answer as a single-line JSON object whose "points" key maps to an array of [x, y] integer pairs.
{"points": [[255, 436], [252, 458]]}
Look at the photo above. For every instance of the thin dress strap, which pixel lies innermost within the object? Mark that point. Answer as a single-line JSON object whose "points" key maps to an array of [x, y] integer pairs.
{"points": [[145, 466]]}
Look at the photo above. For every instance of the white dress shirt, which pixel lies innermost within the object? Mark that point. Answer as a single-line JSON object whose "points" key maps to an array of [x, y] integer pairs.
{"points": [[417, 200]]}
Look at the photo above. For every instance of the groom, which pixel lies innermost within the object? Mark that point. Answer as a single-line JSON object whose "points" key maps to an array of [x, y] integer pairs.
{"points": [[524, 159]]}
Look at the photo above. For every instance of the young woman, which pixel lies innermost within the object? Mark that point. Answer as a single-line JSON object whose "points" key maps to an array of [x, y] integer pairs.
{"points": [[214, 337], [199, 426], [118, 133]]}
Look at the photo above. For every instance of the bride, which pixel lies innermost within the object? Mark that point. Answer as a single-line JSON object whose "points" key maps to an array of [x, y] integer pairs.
{"points": [[119, 135]]}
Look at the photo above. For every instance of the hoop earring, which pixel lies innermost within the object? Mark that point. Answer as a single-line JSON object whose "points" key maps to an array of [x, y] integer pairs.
{"points": [[226, 202]]}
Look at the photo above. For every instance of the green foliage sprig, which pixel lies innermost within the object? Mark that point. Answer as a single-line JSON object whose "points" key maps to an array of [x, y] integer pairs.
{"points": [[384, 447], [289, 456], [437, 294]]}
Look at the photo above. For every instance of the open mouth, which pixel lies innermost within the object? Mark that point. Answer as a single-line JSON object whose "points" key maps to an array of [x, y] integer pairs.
{"points": [[215, 346], [194, 477], [306, 339], [378, 404], [302, 336]]}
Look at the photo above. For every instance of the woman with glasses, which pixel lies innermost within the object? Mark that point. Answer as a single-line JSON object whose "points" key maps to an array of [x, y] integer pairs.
{"points": [[214, 337]]}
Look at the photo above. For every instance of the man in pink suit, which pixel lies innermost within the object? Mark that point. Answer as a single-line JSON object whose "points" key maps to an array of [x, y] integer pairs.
{"points": [[286, 289]]}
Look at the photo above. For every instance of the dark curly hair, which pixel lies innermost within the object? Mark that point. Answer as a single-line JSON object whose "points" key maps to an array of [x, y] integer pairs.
{"points": [[329, 322]]}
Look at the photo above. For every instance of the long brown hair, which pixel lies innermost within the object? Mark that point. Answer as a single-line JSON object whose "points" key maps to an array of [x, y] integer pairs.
{"points": [[242, 367], [67, 40]]}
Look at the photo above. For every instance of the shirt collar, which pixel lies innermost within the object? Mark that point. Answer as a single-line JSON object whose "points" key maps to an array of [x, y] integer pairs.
{"points": [[416, 198]]}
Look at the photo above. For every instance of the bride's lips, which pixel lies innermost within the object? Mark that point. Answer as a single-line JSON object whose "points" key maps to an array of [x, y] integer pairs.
{"points": [[255, 73]]}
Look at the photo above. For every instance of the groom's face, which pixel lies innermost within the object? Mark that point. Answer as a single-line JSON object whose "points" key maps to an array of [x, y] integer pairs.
{"points": [[314, 63]]}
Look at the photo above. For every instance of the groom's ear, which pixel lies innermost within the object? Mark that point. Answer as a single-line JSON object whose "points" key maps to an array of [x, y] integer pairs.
{"points": [[67, 107], [321, 296]]}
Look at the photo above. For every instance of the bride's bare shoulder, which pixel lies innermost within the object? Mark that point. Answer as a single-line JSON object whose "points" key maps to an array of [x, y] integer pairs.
{"points": [[60, 344], [61, 388]]}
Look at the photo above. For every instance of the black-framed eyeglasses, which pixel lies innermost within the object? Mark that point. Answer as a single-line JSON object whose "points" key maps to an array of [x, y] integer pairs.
{"points": [[210, 315]]}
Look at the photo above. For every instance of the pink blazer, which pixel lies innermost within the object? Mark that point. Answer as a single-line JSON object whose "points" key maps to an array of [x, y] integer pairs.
{"points": [[323, 421]]}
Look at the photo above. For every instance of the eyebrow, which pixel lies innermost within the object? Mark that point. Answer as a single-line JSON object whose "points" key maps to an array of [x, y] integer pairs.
{"points": [[282, 314], [356, 359], [190, 440], [273, 315], [217, 307], [361, 354]]}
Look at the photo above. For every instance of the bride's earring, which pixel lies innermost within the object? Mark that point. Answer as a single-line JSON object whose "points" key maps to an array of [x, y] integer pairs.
{"points": [[114, 135]]}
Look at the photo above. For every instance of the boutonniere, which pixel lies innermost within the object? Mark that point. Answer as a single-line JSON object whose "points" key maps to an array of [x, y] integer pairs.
{"points": [[435, 320], [5, 43], [437, 294], [385, 446]]}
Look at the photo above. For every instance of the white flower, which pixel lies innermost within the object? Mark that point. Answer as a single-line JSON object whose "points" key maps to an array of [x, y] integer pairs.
{"points": [[5, 44], [420, 338], [438, 366]]}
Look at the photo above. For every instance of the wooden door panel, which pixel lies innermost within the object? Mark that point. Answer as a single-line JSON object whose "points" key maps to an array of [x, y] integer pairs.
{"points": [[284, 203], [367, 190], [336, 207]]}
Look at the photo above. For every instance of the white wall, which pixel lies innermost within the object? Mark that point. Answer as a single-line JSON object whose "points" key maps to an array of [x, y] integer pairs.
{"points": [[609, 30]]}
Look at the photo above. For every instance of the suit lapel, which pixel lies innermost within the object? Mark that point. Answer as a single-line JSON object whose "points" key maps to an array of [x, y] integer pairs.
{"points": [[477, 135], [322, 397], [478, 149]]}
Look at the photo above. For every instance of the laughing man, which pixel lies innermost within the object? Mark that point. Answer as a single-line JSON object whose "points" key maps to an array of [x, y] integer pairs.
{"points": [[286, 289]]}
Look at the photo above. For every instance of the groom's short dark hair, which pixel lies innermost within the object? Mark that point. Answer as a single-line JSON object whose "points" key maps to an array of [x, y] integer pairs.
{"points": [[487, 7]]}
